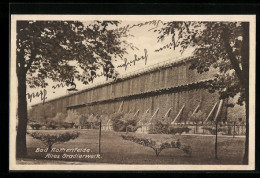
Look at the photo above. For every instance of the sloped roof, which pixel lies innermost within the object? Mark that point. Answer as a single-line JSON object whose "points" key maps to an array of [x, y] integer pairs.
{"points": [[143, 71]]}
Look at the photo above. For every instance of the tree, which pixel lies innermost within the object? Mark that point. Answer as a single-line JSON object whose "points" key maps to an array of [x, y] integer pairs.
{"points": [[220, 45], [48, 140], [39, 115], [57, 121], [197, 117], [47, 49]]}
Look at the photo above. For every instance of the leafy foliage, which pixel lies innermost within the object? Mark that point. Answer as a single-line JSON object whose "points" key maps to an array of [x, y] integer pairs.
{"points": [[73, 117], [178, 130], [212, 129], [40, 115], [49, 139], [158, 146], [219, 45], [36, 126], [161, 127], [197, 116], [124, 122], [45, 49]]}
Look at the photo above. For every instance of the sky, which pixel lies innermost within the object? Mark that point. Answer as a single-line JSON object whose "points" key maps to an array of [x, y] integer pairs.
{"points": [[143, 39]]}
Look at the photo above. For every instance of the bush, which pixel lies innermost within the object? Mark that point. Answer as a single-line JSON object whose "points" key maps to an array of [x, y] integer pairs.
{"points": [[124, 122], [158, 146], [158, 127], [117, 122], [52, 126], [144, 118], [56, 121], [197, 117], [73, 117], [131, 128], [178, 130], [35, 126], [67, 125], [48, 140], [93, 121], [64, 120], [161, 127], [212, 129]]}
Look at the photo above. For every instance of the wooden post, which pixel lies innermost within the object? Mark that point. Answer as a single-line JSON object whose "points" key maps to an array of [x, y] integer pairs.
{"points": [[99, 139], [216, 142], [202, 127], [234, 130]]}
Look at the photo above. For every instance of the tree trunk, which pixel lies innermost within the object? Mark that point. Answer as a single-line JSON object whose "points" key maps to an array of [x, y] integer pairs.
{"points": [[243, 74], [216, 142], [156, 152], [234, 129], [245, 158], [245, 65], [99, 138], [21, 150]]}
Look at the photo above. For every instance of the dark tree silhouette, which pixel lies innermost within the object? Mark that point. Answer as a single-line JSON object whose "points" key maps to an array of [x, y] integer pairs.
{"points": [[46, 49], [220, 45]]}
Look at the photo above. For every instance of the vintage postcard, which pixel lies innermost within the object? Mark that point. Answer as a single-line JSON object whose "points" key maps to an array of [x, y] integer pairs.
{"points": [[132, 92]]}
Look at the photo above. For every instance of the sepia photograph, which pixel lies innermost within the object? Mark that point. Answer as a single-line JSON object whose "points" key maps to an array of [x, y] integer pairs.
{"points": [[132, 92]]}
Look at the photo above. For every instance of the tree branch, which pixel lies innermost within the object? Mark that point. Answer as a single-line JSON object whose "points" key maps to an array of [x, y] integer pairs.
{"points": [[30, 61], [234, 62], [245, 51]]}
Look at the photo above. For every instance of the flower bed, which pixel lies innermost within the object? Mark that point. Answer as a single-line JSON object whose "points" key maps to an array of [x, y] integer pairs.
{"points": [[50, 139], [158, 146]]}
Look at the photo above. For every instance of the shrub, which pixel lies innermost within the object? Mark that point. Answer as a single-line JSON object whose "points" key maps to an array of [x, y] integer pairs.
{"points": [[64, 120], [124, 122], [178, 130], [212, 129], [52, 126], [162, 127], [197, 117], [48, 139], [36, 126], [93, 121], [158, 127], [117, 122], [67, 125], [144, 118], [119, 125], [158, 146], [56, 121], [131, 128], [73, 117]]}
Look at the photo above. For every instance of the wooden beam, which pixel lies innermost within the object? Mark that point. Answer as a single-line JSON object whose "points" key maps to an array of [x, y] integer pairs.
{"points": [[121, 106], [196, 109], [180, 112], [219, 109], [155, 113], [210, 113], [144, 113], [167, 113], [136, 113]]}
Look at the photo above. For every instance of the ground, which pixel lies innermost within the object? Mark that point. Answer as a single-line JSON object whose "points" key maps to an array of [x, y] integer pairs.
{"points": [[115, 150]]}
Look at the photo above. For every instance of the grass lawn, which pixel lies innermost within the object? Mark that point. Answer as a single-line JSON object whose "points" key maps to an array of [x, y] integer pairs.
{"points": [[115, 150]]}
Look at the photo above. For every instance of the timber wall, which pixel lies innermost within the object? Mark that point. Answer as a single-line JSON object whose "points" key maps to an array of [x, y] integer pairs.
{"points": [[164, 87]]}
